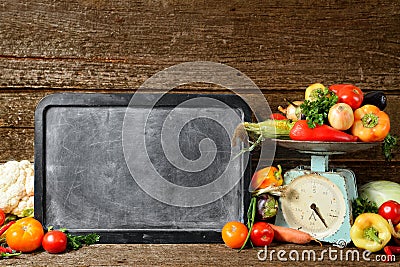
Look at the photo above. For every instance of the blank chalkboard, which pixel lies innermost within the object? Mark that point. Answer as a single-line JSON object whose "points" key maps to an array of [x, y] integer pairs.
{"points": [[85, 182]]}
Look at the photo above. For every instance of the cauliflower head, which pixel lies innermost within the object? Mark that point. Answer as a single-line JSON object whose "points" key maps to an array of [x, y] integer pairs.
{"points": [[16, 187]]}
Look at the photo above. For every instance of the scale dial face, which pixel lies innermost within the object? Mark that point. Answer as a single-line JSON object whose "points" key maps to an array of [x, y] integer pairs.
{"points": [[314, 204]]}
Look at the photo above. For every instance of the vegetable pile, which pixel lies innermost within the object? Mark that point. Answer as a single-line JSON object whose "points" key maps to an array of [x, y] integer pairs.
{"points": [[20, 232], [376, 214], [27, 235], [377, 217], [259, 230], [377, 225], [338, 113]]}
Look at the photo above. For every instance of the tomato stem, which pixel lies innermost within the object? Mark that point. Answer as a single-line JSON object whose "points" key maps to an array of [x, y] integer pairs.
{"points": [[370, 120]]}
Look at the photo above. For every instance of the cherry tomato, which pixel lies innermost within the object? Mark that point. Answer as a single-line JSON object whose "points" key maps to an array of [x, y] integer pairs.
{"points": [[55, 241], [2, 217], [390, 210], [351, 95], [261, 234], [234, 234], [25, 235]]}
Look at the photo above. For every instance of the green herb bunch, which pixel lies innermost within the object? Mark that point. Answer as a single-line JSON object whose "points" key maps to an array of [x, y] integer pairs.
{"points": [[363, 205], [389, 146], [316, 111]]}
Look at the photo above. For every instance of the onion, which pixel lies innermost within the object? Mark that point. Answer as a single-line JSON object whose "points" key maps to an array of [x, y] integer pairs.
{"points": [[293, 111], [341, 116]]}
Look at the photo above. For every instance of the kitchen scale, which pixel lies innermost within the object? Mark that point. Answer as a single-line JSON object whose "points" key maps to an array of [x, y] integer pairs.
{"points": [[318, 199]]}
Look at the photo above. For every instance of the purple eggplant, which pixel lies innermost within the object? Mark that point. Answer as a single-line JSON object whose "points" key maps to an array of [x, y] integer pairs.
{"points": [[267, 207], [376, 98]]}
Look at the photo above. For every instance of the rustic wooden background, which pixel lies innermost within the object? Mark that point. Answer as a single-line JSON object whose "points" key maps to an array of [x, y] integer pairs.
{"points": [[49, 46], [114, 46]]}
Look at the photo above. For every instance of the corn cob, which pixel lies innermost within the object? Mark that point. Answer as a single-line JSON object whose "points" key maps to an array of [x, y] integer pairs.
{"points": [[255, 133]]}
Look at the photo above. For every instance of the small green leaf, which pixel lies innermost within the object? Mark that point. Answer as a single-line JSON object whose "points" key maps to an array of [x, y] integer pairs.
{"points": [[390, 144], [28, 212], [363, 205], [77, 241]]}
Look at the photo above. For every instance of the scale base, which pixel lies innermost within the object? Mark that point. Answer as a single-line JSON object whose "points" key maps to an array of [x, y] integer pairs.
{"points": [[345, 180]]}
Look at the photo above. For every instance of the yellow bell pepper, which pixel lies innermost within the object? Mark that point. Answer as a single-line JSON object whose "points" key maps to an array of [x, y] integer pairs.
{"points": [[311, 91], [370, 231]]}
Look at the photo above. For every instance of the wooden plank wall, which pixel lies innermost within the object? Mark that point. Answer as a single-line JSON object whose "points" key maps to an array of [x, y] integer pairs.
{"points": [[49, 46]]}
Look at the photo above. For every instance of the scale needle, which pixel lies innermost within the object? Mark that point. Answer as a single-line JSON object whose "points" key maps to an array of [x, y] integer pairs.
{"points": [[316, 210]]}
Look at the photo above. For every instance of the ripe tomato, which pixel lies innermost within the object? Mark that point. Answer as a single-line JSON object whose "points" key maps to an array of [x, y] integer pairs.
{"points": [[390, 210], [234, 234], [55, 241], [341, 116], [337, 87], [25, 235], [2, 217], [261, 234], [351, 95]]}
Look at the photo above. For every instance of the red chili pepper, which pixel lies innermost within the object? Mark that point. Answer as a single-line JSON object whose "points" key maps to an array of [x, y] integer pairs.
{"points": [[5, 250], [390, 251], [5, 227], [277, 116], [301, 132], [395, 250]]}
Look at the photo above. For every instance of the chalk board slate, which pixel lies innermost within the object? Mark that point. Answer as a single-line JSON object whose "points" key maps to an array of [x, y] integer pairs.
{"points": [[83, 183]]}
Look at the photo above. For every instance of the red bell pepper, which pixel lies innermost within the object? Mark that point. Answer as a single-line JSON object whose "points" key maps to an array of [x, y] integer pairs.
{"points": [[301, 132], [277, 116]]}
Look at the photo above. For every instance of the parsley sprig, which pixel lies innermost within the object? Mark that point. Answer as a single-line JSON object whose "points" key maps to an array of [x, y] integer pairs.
{"points": [[363, 205], [316, 111], [75, 242], [389, 146]]}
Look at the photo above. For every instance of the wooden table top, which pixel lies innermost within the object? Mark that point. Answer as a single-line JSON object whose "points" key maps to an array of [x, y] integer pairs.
{"points": [[201, 255]]}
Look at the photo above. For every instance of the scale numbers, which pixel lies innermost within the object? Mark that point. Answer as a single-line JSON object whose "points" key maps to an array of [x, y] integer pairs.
{"points": [[314, 204]]}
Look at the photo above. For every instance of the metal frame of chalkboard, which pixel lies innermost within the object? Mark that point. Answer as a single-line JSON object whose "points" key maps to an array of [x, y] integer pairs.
{"points": [[122, 100]]}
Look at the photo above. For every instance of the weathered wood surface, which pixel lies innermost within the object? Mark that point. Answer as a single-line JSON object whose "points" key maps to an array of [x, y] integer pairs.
{"points": [[200, 255], [103, 46], [17, 133], [118, 44]]}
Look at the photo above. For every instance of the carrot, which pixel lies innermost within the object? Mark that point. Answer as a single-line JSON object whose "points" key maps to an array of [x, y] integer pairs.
{"points": [[290, 235]]}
